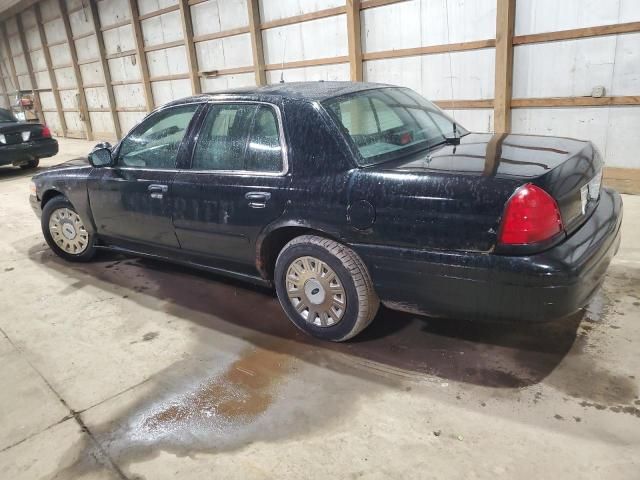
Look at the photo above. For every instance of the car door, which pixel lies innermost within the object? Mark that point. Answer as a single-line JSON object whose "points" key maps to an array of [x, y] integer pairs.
{"points": [[132, 200], [236, 183]]}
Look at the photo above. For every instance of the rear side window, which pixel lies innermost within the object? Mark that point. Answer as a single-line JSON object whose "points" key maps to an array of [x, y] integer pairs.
{"points": [[387, 122], [239, 137], [264, 153]]}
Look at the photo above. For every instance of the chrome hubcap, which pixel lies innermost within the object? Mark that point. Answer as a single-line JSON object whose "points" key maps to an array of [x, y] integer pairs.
{"points": [[68, 232], [315, 291]]}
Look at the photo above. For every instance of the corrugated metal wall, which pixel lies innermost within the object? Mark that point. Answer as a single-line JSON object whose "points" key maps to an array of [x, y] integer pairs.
{"points": [[444, 49]]}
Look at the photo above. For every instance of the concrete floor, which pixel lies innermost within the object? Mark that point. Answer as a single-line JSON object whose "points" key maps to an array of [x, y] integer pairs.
{"points": [[124, 368]]}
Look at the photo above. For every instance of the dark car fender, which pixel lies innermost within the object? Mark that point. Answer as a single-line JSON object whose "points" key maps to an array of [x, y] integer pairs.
{"points": [[73, 186]]}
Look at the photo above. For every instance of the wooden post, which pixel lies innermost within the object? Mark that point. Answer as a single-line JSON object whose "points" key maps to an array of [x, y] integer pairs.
{"points": [[187, 31], [355, 44], [5, 93], [84, 110], [142, 56], [12, 65], [32, 78], [93, 10], [52, 76], [253, 7], [505, 22]]}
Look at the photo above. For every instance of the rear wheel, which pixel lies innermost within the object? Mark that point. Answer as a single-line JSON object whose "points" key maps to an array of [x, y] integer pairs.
{"points": [[30, 164], [65, 232], [325, 288]]}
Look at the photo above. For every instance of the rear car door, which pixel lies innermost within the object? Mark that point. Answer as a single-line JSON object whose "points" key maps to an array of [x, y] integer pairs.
{"points": [[236, 182], [132, 200]]}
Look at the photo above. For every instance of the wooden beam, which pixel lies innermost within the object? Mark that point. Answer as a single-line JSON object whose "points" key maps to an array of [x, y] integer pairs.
{"points": [[142, 56], [32, 78], [163, 46], [378, 3], [577, 33], [354, 39], [164, 78], [157, 13], [187, 33], [12, 65], [93, 12], [305, 17], [431, 49], [52, 76], [464, 104], [113, 26], [226, 71], [307, 63], [126, 53], [574, 102], [82, 107], [88, 61], [253, 8], [624, 180], [505, 24], [5, 93], [223, 34]]}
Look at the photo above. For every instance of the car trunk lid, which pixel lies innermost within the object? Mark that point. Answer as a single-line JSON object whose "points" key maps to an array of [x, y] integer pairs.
{"points": [[15, 133], [470, 184]]}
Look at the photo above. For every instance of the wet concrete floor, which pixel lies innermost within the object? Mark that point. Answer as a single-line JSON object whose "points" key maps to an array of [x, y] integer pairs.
{"points": [[130, 368]]}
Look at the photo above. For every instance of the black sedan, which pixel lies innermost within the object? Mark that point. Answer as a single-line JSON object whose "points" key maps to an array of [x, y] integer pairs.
{"points": [[24, 144], [344, 195]]}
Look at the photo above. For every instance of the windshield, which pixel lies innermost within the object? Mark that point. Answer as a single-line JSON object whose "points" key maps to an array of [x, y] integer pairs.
{"points": [[389, 121], [6, 116]]}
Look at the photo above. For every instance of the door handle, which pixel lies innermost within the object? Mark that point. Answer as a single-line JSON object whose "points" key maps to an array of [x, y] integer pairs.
{"points": [[157, 191], [258, 199]]}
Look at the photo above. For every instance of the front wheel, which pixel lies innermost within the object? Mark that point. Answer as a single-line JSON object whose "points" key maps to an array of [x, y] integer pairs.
{"points": [[65, 231], [325, 288]]}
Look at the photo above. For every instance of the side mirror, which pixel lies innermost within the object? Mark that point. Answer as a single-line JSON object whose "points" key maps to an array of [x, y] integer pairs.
{"points": [[100, 157]]}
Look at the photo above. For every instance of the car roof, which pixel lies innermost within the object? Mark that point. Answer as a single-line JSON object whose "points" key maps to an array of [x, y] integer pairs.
{"points": [[311, 91]]}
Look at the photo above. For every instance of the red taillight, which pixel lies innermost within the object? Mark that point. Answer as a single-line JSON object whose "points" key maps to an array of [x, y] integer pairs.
{"points": [[531, 216], [46, 132]]}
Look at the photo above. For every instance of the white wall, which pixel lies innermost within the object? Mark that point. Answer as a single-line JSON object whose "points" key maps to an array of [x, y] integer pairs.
{"points": [[573, 68], [543, 70]]}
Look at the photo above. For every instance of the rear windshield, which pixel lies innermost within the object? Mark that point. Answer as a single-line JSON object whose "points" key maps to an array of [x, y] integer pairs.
{"points": [[6, 116], [385, 122]]}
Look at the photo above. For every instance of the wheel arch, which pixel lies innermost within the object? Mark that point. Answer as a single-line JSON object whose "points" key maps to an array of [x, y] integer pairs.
{"points": [[273, 240], [50, 194]]}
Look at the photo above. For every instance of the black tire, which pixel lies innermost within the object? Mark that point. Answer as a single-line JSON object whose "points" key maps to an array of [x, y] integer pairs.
{"points": [[50, 207], [361, 300], [30, 164]]}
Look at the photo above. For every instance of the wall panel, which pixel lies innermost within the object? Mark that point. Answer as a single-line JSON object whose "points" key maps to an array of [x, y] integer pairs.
{"points": [[277, 9], [537, 16], [322, 38], [611, 129], [218, 16], [339, 72]]}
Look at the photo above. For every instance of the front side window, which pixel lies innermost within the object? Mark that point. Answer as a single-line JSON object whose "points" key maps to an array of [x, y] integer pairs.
{"points": [[239, 137], [154, 144], [385, 122]]}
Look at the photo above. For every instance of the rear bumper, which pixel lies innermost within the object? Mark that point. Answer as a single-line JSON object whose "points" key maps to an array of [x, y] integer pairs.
{"points": [[478, 286], [10, 154]]}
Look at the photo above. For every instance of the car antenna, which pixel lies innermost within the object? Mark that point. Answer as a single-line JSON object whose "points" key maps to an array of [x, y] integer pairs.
{"points": [[284, 48]]}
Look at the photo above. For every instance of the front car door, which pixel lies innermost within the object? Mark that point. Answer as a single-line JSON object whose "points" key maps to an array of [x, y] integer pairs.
{"points": [[236, 183], [132, 200]]}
